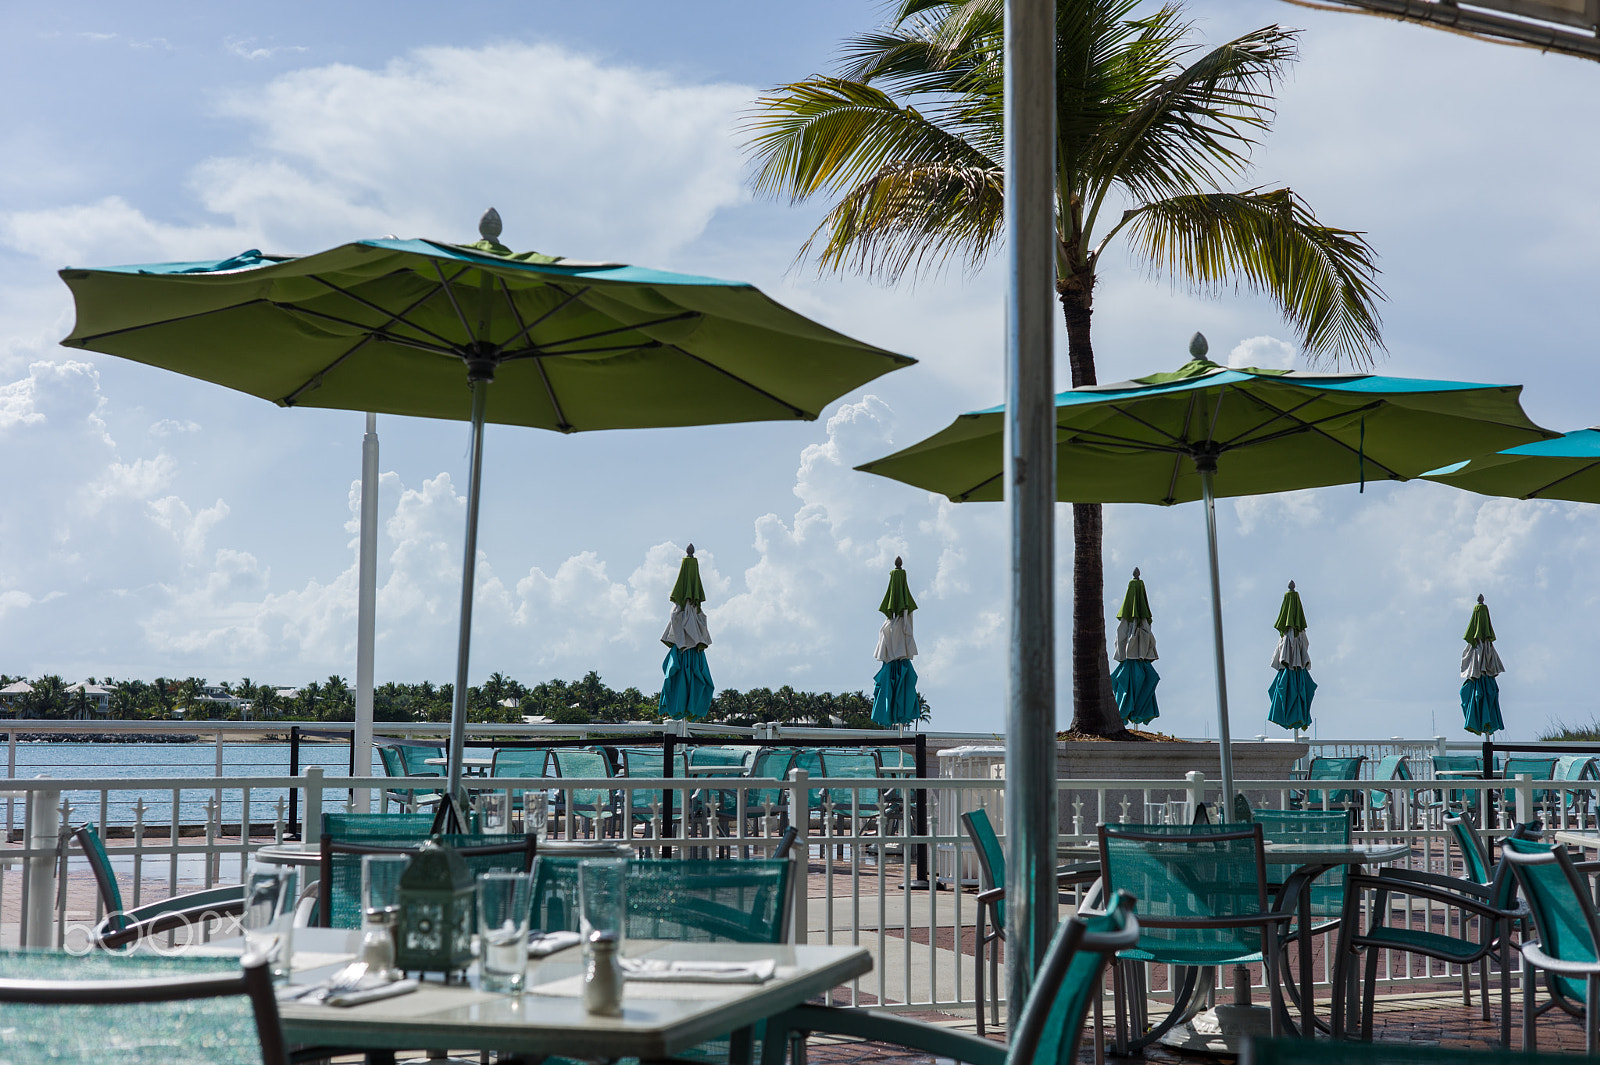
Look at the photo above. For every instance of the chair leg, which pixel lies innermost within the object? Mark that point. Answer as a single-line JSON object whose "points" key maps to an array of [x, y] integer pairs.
{"points": [[1591, 1015], [1119, 1006], [1368, 992], [1483, 985], [977, 970], [1505, 986], [1529, 995]]}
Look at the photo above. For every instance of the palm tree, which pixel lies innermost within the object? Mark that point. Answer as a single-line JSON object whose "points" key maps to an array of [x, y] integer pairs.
{"points": [[908, 137]]}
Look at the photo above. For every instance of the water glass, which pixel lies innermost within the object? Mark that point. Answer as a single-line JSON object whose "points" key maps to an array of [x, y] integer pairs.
{"points": [[603, 898], [268, 918], [380, 887], [494, 812], [536, 814], [504, 902]]}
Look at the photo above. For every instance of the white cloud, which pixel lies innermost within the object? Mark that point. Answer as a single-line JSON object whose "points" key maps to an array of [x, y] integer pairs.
{"points": [[247, 48], [172, 427], [1266, 353]]}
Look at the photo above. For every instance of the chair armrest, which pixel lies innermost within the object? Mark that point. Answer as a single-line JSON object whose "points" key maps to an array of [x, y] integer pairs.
{"points": [[1444, 896], [990, 897], [888, 1028], [227, 900], [1438, 880], [1534, 953], [1078, 873]]}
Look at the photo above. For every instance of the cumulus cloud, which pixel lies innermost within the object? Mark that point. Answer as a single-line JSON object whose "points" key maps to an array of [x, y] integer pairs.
{"points": [[1266, 353]]}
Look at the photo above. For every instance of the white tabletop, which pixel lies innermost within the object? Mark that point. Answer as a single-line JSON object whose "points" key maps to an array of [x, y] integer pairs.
{"points": [[1578, 839], [289, 854], [1301, 853], [658, 1019], [476, 763]]}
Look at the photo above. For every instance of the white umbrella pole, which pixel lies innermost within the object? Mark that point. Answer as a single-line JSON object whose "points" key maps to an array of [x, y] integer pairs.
{"points": [[458, 712], [1207, 466], [366, 611]]}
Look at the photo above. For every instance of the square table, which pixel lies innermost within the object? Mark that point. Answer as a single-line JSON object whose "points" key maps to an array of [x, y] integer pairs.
{"points": [[659, 1019]]}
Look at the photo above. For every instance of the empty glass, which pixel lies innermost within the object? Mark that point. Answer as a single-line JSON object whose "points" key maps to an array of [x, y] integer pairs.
{"points": [[380, 910], [603, 898], [536, 814], [504, 902], [268, 918], [494, 812]]}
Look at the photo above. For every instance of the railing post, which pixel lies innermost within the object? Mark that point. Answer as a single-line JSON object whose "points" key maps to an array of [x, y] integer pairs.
{"points": [[922, 814], [1197, 792], [294, 771], [669, 751], [1524, 799], [313, 829], [800, 854], [44, 833]]}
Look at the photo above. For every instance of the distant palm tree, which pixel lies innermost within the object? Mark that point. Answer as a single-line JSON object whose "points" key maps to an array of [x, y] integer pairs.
{"points": [[908, 138]]}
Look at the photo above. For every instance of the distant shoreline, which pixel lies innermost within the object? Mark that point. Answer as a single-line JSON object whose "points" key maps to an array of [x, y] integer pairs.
{"points": [[232, 736]]}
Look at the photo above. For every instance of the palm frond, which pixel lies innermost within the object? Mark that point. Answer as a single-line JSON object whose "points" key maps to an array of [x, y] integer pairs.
{"points": [[1323, 279]]}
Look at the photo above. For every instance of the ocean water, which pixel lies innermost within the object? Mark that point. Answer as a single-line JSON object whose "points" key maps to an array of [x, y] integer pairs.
{"points": [[68, 761]]}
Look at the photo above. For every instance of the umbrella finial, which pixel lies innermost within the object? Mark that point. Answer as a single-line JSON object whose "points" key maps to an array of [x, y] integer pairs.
{"points": [[1136, 573], [1198, 346], [690, 551], [1291, 586], [490, 226], [898, 562], [1480, 598]]}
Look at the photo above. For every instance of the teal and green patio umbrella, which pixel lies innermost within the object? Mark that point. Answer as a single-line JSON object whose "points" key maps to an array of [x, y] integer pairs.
{"points": [[1292, 689], [1567, 467], [1134, 681], [686, 685], [1205, 431], [423, 327], [1480, 665], [894, 689]]}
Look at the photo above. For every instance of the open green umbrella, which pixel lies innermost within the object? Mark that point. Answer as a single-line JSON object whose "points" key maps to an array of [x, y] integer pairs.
{"points": [[1567, 467], [1480, 665], [422, 328], [1207, 430], [1134, 681], [1292, 688], [894, 689], [686, 685]]}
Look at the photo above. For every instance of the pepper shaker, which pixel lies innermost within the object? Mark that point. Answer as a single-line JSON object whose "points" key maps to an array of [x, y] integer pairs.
{"points": [[602, 980]]}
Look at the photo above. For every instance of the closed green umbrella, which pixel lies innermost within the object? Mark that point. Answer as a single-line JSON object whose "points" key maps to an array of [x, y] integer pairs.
{"points": [[422, 328], [1480, 665], [1292, 688], [1207, 430], [1567, 467], [894, 688], [686, 685], [1134, 681]]}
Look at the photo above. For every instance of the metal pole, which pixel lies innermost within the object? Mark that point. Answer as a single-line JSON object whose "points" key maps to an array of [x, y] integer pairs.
{"points": [[366, 614], [458, 713], [1207, 465], [44, 834], [1030, 795]]}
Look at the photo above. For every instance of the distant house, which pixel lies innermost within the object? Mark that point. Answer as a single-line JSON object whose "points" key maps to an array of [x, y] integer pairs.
{"points": [[216, 696], [8, 694], [99, 698]]}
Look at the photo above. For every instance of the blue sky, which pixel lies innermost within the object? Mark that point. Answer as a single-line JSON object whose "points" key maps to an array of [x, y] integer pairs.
{"points": [[155, 525]]}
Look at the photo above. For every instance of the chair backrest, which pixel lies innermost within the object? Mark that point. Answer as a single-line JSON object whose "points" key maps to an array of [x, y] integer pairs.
{"points": [[857, 764], [1533, 767], [709, 756], [393, 764], [1458, 763], [61, 1007], [896, 759], [376, 828], [1575, 767], [1068, 982], [414, 757], [695, 899], [1474, 852], [810, 759], [991, 859], [1308, 826], [1334, 769], [1185, 876], [339, 888], [771, 763], [104, 877], [1392, 767], [518, 762], [577, 762], [1558, 899]]}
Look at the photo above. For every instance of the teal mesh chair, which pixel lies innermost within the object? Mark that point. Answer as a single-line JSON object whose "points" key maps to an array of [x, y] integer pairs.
{"points": [[1336, 798], [1202, 903], [1576, 767], [761, 804], [1459, 921], [1568, 948], [1456, 798], [1050, 1025], [398, 763], [58, 1007], [707, 757], [1530, 766], [595, 806], [858, 804], [810, 760], [1392, 767], [518, 762], [645, 803], [1325, 893], [691, 899], [376, 828], [991, 915], [339, 871], [121, 927], [1306, 1052]]}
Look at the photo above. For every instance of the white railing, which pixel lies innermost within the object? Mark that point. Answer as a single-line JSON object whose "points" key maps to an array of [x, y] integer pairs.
{"points": [[858, 840]]}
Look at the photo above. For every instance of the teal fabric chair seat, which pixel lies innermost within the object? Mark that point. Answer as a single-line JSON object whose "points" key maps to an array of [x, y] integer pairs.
{"points": [[57, 1007], [1051, 1023], [1567, 949]]}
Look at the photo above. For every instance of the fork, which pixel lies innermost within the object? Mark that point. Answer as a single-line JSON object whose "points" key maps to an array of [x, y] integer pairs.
{"points": [[347, 979]]}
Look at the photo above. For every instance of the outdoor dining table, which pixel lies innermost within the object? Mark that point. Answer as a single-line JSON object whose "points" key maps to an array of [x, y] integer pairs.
{"points": [[659, 1019], [1582, 840], [478, 767]]}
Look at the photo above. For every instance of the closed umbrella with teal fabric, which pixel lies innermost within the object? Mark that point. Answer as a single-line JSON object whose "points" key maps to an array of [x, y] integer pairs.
{"points": [[1134, 681], [1292, 689], [1480, 665], [474, 332], [686, 686], [894, 689]]}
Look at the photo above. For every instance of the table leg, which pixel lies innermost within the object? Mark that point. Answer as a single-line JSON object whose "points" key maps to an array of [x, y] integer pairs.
{"points": [[741, 1046], [1308, 1007]]}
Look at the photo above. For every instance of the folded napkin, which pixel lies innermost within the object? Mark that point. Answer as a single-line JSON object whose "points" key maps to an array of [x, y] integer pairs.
{"points": [[544, 944], [699, 972], [371, 994]]}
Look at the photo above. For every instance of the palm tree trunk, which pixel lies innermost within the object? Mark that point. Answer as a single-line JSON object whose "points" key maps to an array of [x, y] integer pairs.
{"points": [[1093, 707]]}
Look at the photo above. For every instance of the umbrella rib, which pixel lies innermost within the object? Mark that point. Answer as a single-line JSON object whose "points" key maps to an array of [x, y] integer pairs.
{"points": [[391, 316], [1278, 415], [537, 353], [528, 327], [84, 342], [964, 496], [685, 316], [757, 389], [449, 294], [1177, 440], [1539, 492], [1312, 427], [376, 332], [1177, 460], [549, 389], [315, 380]]}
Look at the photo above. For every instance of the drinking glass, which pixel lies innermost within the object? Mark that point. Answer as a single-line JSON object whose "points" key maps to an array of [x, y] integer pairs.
{"points": [[494, 812], [268, 918], [536, 813], [504, 902], [603, 898], [380, 910]]}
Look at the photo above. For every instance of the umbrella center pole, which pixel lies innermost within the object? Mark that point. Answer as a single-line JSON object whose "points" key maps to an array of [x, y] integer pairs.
{"points": [[458, 715], [1206, 465]]}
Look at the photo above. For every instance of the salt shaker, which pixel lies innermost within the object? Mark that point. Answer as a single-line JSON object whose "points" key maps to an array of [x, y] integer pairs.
{"points": [[602, 980]]}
